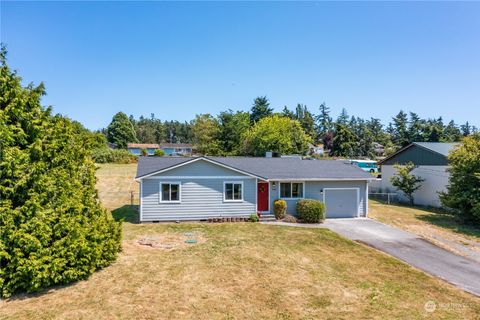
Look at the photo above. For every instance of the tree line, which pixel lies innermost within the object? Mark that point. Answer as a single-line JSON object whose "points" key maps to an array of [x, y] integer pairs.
{"points": [[238, 133]]}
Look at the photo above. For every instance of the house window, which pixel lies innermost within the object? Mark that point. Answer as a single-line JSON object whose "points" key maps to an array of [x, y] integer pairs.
{"points": [[291, 190], [233, 191], [169, 192]]}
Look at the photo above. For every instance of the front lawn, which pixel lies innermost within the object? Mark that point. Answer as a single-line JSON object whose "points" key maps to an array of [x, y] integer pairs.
{"points": [[247, 271], [242, 271]]}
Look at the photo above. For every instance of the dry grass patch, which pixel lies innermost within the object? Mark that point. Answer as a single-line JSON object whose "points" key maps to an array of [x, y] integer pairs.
{"points": [[170, 241], [114, 184], [440, 228]]}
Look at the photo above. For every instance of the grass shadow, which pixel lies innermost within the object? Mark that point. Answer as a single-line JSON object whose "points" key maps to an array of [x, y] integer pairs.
{"points": [[450, 222], [126, 213]]}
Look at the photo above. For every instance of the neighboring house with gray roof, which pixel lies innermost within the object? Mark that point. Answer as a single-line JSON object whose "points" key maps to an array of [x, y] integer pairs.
{"points": [[432, 164], [199, 188]]}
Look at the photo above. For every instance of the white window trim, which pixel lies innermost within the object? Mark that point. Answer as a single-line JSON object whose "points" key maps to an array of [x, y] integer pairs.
{"points": [[160, 200], [224, 193], [280, 188]]}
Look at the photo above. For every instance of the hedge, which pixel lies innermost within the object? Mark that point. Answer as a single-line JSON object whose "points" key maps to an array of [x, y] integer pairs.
{"points": [[107, 155], [311, 211]]}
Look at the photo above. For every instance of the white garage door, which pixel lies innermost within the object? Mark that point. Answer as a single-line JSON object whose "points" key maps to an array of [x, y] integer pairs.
{"points": [[341, 203]]}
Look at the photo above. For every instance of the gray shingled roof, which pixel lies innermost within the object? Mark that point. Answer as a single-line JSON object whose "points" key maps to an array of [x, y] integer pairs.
{"points": [[439, 147], [268, 168]]}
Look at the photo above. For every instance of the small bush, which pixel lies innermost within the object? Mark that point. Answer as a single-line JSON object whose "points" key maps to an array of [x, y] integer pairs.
{"points": [[280, 209], [106, 155], [254, 217], [159, 153], [144, 152], [311, 211]]}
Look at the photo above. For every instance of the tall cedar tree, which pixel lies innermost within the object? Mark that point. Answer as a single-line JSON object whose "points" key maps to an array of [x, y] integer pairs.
{"points": [[324, 121], [344, 141], [52, 227], [463, 190], [232, 128], [121, 131], [260, 109]]}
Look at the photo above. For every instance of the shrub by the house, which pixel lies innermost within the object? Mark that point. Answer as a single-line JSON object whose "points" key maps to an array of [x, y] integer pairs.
{"points": [[159, 153], [311, 211], [280, 208], [52, 227], [107, 155], [254, 217]]}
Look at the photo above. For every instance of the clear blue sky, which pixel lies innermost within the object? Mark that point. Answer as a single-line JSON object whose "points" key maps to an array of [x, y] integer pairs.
{"points": [[179, 59]]}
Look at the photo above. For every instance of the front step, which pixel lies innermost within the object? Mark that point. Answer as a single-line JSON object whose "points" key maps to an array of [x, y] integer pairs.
{"points": [[267, 217]]}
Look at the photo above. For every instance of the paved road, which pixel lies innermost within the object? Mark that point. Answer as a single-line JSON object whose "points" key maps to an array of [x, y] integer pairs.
{"points": [[459, 271]]}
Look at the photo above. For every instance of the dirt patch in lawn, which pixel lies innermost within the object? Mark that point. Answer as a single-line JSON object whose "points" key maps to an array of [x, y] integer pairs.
{"points": [[170, 241]]}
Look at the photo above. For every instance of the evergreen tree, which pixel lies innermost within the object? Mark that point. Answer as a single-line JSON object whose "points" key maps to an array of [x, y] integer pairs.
{"points": [[400, 132], [452, 133], [416, 128], [344, 141], [306, 119], [121, 131], [232, 127], [52, 227], [466, 129], [434, 130], [288, 113], [324, 121], [379, 134], [260, 109], [343, 117]]}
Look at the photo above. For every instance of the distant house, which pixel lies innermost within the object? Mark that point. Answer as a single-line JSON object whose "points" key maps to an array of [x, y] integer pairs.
{"points": [[432, 163], [379, 149], [316, 149], [177, 149], [136, 148], [199, 188]]}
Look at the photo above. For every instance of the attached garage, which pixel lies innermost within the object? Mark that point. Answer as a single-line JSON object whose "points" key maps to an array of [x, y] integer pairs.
{"points": [[341, 202]]}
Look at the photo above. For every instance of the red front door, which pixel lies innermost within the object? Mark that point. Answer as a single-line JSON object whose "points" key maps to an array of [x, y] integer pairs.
{"points": [[262, 196]]}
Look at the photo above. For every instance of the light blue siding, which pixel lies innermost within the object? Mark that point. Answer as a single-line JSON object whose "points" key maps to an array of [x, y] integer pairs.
{"points": [[312, 191], [201, 194], [168, 151], [135, 151]]}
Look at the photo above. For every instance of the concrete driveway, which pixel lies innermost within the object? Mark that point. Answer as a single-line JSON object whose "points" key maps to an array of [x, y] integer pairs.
{"points": [[459, 271]]}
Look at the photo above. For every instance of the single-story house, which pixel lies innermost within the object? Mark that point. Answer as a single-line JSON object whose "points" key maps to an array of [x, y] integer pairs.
{"points": [[136, 148], [186, 188], [432, 164], [177, 149]]}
